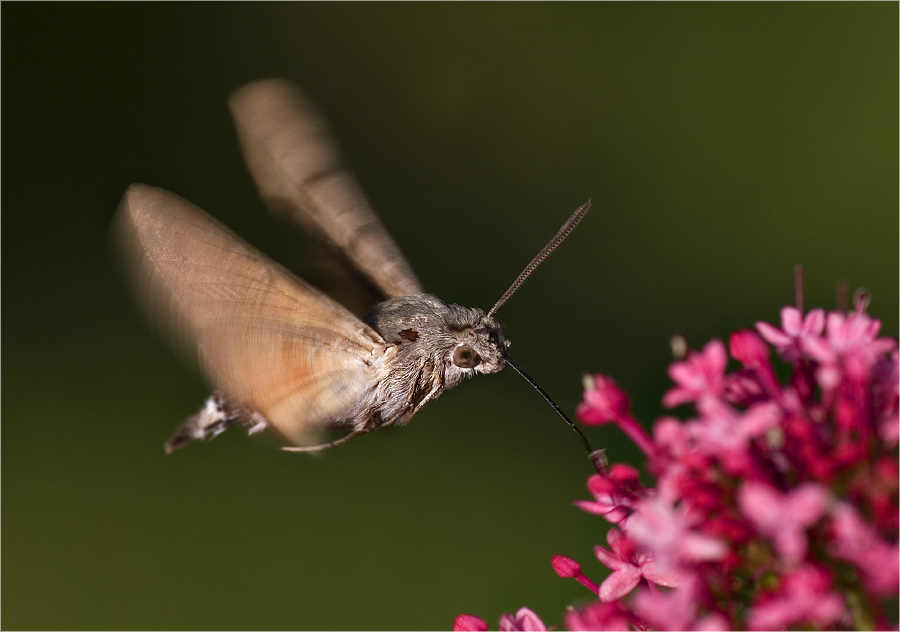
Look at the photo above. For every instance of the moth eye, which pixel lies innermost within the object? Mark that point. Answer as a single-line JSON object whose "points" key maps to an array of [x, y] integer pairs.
{"points": [[466, 357]]}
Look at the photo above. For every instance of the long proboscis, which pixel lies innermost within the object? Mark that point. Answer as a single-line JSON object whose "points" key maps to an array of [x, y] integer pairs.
{"points": [[597, 457], [560, 237]]}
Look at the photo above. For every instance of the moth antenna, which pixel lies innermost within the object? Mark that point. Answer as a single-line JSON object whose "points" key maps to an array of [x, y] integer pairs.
{"points": [[597, 457], [560, 237]]}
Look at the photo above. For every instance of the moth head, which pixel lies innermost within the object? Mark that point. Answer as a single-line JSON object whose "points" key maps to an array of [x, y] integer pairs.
{"points": [[479, 345], [424, 328]]}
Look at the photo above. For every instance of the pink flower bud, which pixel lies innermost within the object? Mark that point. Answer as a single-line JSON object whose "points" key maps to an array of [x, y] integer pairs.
{"points": [[604, 402], [748, 348], [565, 566], [469, 623]]}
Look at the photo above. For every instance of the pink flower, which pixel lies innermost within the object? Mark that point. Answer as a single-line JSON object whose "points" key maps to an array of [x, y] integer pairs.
{"points": [[676, 609], [629, 567], [795, 331], [614, 495], [804, 597], [469, 623], [598, 616], [726, 433], [784, 517], [664, 533], [523, 621], [850, 347], [758, 378], [854, 540], [700, 376]]}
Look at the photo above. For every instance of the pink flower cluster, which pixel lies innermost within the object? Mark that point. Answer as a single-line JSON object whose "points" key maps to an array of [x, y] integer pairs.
{"points": [[775, 505]]}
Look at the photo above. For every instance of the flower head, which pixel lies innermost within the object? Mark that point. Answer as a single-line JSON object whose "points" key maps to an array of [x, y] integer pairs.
{"points": [[775, 505]]}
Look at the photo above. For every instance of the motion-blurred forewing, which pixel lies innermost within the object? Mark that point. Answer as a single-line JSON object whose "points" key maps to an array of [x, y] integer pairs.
{"points": [[298, 171], [264, 337]]}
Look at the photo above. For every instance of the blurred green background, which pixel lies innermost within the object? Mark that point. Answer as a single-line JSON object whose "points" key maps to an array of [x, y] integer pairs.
{"points": [[721, 144]]}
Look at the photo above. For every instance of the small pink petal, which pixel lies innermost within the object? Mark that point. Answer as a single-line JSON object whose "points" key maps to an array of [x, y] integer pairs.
{"points": [[619, 583], [659, 575], [791, 320], [807, 503], [609, 559], [773, 335], [700, 548], [814, 322], [761, 417]]}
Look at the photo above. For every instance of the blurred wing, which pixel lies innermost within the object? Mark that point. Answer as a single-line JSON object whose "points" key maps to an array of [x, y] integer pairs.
{"points": [[263, 336], [297, 168]]}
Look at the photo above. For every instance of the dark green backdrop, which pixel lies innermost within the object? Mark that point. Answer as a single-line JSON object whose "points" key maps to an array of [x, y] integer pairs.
{"points": [[721, 144]]}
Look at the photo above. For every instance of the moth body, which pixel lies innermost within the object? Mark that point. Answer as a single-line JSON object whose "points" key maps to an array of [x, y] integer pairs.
{"points": [[431, 347]]}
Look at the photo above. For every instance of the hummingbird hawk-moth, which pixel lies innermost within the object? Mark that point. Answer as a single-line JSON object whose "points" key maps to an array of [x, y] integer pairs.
{"points": [[280, 353]]}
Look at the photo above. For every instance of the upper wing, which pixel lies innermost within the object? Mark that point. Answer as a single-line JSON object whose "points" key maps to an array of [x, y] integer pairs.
{"points": [[262, 335], [298, 171]]}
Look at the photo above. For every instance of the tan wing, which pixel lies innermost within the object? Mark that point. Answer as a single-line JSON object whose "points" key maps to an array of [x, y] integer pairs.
{"points": [[263, 336], [297, 168]]}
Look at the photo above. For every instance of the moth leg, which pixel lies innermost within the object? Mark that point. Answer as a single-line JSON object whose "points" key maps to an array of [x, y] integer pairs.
{"points": [[431, 395], [429, 381], [257, 423], [325, 446], [216, 416]]}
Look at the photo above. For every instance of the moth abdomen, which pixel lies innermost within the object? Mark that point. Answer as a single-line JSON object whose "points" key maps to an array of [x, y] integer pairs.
{"points": [[217, 415]]}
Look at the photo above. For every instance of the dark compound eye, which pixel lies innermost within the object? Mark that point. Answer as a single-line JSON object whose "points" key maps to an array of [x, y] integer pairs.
{"points": [[466, 357]]}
